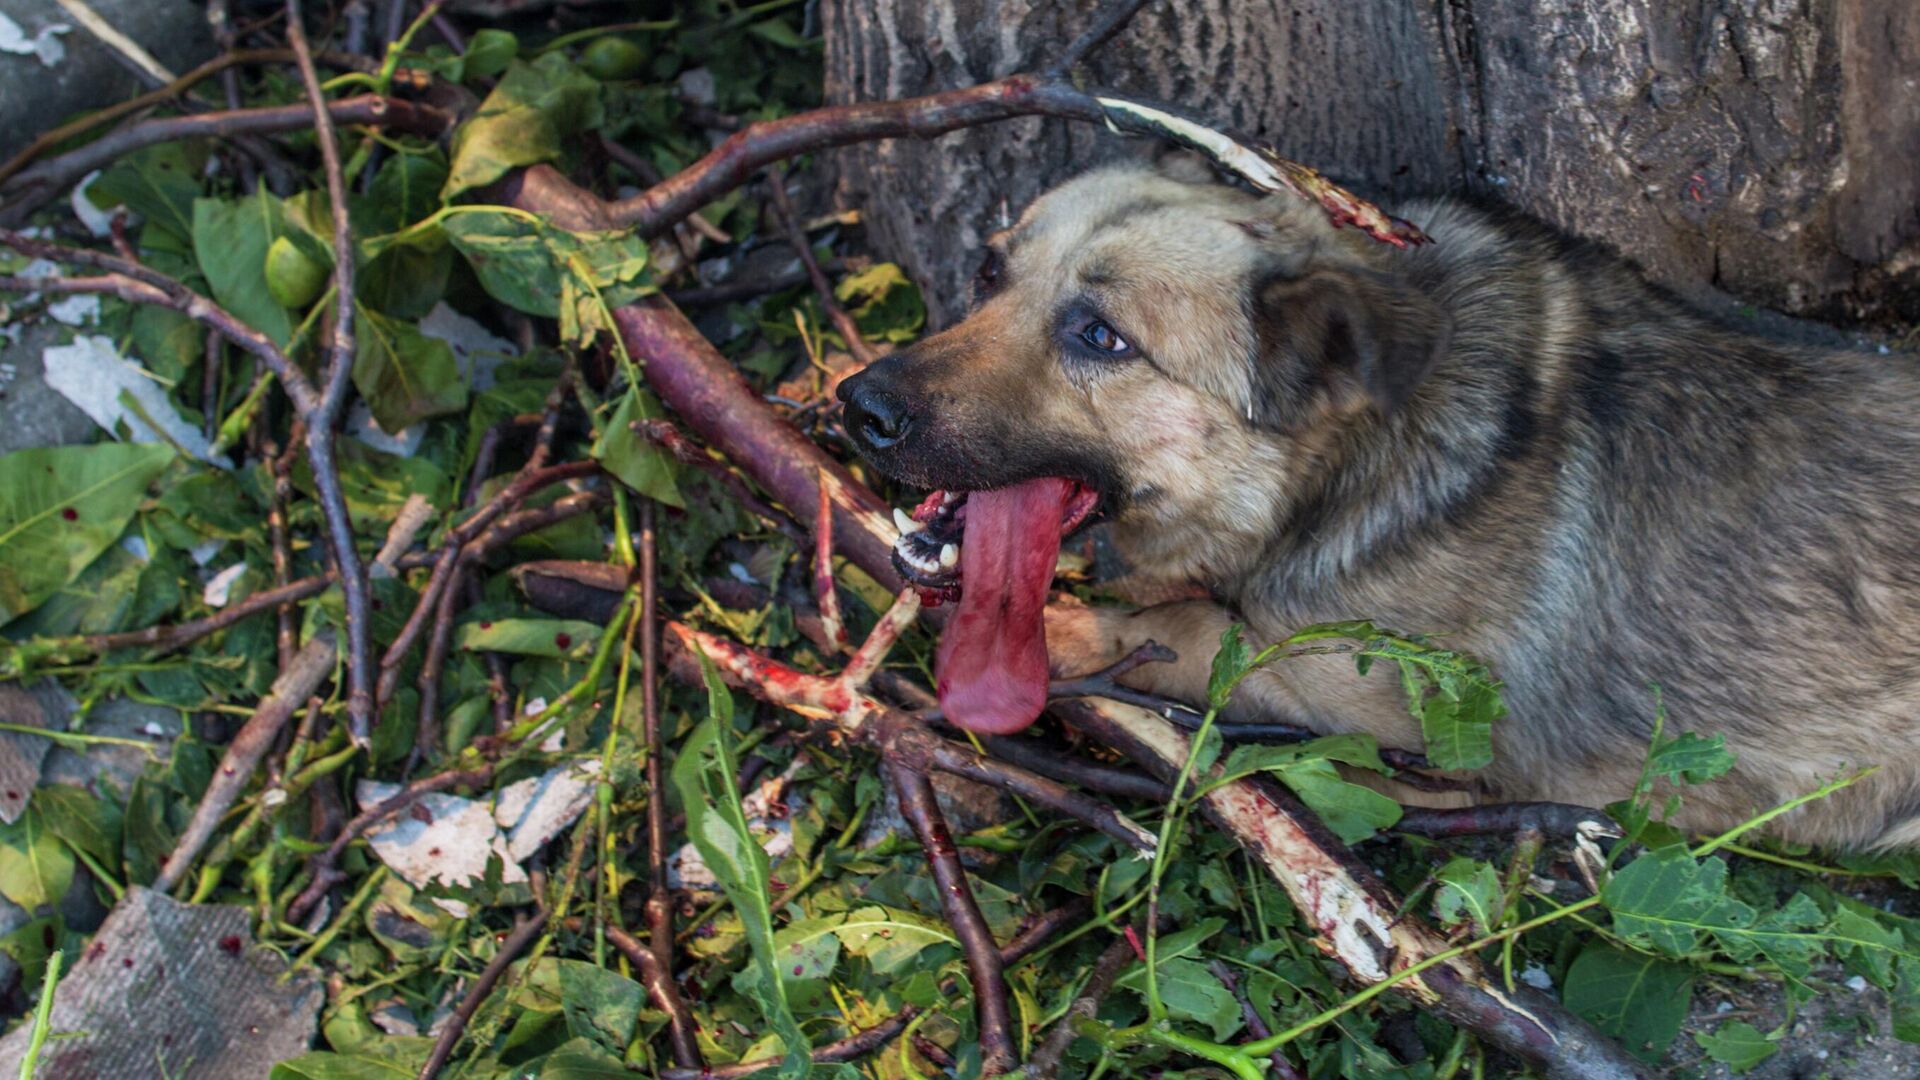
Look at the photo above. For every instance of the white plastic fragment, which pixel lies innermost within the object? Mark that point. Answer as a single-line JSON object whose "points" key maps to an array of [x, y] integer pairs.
{"points": [[98, 222], [441, 838], [534, 810], [219, 588], [448, 839], [360, 425], [92, 374], [78, 309], [46, 44], [478, 350], [769, 809]]}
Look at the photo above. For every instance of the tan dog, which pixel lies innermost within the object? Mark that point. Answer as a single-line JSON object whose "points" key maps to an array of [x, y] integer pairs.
{"points": [[1505, 438]]}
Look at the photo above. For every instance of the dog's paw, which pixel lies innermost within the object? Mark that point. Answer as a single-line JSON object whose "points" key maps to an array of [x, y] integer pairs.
{"points": [[1082, 639]]}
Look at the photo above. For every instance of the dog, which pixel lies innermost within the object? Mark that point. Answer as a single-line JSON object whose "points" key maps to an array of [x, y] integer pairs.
{"points": [[1506, 438]]}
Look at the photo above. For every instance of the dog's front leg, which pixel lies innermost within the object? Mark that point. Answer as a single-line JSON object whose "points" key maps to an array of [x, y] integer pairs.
{"points": [[1324, 693], [1082, 640]]}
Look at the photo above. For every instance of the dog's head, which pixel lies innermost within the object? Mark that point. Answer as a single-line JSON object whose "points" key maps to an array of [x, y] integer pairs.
{"points": [[1158, 340]]}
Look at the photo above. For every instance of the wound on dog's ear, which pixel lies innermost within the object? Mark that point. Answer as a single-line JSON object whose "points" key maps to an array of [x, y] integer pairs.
{"points": [[1335, 338]]}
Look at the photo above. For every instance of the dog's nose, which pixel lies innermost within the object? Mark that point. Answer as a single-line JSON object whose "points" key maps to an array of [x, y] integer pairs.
{"points": [[876, 419]]}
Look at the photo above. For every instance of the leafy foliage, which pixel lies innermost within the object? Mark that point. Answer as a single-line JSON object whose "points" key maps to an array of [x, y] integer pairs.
{"points": [[812, 921]]}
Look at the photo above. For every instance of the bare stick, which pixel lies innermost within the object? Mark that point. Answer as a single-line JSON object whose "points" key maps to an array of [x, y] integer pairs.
{"points": [[325, 877], [1113, 960], [998, 1053], [1551, 819], [291, 690], [1282, 1066], [523, 934], [764, 142], [34, 186], [826, 593], [1104, 26], [823, 289], [219, 65], [658, 979], [333, 398], [663, 434]]}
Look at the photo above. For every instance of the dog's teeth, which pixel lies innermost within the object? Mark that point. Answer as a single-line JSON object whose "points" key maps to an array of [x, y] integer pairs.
{"points": [[905, 524], [949, 556], [947, 498]]}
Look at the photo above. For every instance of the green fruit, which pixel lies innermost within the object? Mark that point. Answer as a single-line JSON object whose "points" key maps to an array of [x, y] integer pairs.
{"points": [[294, 280], [612, 58]]}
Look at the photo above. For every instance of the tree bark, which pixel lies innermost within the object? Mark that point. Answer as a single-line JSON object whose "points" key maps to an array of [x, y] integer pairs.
{"points": [[1767, 149]]}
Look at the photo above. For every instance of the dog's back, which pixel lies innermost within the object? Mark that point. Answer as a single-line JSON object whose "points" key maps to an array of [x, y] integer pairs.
{"points": [[1603, 492]]}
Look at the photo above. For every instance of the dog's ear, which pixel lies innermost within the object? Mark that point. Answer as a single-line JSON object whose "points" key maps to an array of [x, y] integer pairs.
{"points": [[1186, 166], [1334, 339]]}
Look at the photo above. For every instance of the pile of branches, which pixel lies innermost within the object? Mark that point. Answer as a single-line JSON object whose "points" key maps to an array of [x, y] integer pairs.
{"points": [[724, 428]]}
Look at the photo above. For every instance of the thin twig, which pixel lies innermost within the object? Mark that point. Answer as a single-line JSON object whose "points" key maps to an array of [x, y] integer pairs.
{"points": [[998, 1053], [323, 874], [34, 186], [1283, 1068], [659, 906], [1551, 819], [826, 592], [664, 434], [333, 398], [1104, 26], [1113, 960], [516, 942], [823, 289], [657, 977], [290, 691]]}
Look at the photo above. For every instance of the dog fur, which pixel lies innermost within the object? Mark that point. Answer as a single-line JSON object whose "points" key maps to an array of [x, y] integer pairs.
{"points": [[1505, 438]]}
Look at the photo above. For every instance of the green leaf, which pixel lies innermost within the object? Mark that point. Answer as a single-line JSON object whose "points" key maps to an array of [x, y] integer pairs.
{"points": [[407, 188], [529, 637], [1230, 664], [1190, 992], [83, 822], [524, 121], [551, 272], [1353, 812], [376, 484], [1691, 758], [1640, 1000], [1469, 892], [1455, 698], [169, 342], [600, 1005], [634, 461], [1738, 1045], [1665, 899], [884, 302], [890, 939], [230, 240], [704, 777], [391, 1058], [488, 53], [159, 183], [60, 507], [404, 375], [35, 867]]}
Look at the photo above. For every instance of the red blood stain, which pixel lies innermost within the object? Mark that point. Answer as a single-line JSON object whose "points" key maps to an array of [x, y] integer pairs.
{"points": [[230, 944], [13, 796], [434, 853], [484, 625], [797, 969], [70, 514], [127, 963], [563, 640]]}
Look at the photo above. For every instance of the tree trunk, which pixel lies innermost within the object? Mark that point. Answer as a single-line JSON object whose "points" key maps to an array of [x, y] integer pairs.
{"points": [[1769, 149]]}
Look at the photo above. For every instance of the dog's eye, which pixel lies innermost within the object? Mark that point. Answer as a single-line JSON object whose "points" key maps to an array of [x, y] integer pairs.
{"points": [[1104, 338]]}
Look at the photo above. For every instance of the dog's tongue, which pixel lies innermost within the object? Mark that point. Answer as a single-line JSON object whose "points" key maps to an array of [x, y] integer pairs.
{"points": [[991, 667]]}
